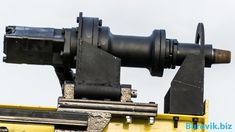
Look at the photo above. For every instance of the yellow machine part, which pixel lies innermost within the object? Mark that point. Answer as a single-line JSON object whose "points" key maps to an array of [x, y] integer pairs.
{"points": [[164, 123], [27, 127]]}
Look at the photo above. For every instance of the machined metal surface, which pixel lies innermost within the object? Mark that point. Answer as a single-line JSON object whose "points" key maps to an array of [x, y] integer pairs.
{"points": [[44, 117], [113, 107]]}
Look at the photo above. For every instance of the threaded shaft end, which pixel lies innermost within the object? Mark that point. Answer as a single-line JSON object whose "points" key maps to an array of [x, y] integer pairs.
{"points": [[221, 56]]}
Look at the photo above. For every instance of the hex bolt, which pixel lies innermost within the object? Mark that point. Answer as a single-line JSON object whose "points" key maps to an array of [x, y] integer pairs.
{"points": [[128, 119], [176, 119], [151, 120], [195, 120]]}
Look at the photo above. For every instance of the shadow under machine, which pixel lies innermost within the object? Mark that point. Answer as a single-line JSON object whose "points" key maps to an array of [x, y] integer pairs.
{"points": [[93, 98]]}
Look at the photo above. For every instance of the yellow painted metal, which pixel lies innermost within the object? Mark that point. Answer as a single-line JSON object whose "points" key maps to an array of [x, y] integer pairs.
{"points": [[164, 123], [27, 107], [27, 127]]}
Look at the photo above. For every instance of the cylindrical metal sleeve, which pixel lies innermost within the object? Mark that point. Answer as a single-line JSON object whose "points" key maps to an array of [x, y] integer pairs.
{"points": [[184, 49], [134, 51]]}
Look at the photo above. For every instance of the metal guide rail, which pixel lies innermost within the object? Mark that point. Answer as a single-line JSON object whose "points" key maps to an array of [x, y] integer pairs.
{"points": [[113, 107], [163, 123]]}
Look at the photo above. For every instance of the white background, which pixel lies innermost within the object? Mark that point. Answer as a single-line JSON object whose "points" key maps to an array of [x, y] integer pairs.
{"points": [[38, 85]]}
